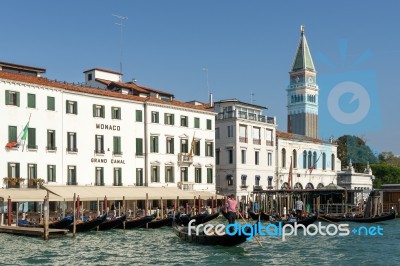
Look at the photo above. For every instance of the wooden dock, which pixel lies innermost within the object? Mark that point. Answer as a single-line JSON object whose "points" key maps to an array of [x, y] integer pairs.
{"points": [[32, 231]]}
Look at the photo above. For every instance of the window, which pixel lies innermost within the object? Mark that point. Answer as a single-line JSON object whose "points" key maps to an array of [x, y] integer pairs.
{"points": [[197, 175], [209, 175], [309, 159], [230, 156], [257, 180], [333, 162], [257, 157], [154, 144], [139, 116], [13, 170], [71, 175], [209, 124], [270, 181], [268, 137], [32, 138], [217, 136], [72, 107], [196, 122], [184, 146], [99, 144], [51, 173], [323, 161], [169, 174], [31, 100], [117, 145], [184, 174], [139, 176], [217, 153], [139, 146], [154, 117], [12, 134], [169, 119], [304, 159], [243, 134], [229, 178], [116, 113], [314, 164], [117, 176], [283, 158], [184, 121], [196, 147], [51, 104], [170, 145], [209, 148], [257, 135], [155, 174], [243, 156], [269, 159], [90, 76], [98, 111], [51, 140], [32, 171], [243, 180], [294, 159], [71, 142], [230, 131], [99, 176], [12, 98]]}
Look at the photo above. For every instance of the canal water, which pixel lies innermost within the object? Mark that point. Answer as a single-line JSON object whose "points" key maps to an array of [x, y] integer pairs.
{"points": [[163, 247]]}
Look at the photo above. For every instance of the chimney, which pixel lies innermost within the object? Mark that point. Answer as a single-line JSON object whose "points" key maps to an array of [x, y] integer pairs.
{"points": [[211, 100]]}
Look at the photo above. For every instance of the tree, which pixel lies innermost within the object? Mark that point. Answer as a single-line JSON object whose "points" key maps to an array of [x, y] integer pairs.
{"points": [[389, 158], [354, 149], [385, 174]]}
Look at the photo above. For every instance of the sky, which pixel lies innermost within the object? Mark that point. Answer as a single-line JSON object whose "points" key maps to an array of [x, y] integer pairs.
{"points": [[246, 47]]}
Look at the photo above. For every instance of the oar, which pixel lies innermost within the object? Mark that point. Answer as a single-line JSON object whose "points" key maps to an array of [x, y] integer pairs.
{"points": [[326, 220], [254, 234]]}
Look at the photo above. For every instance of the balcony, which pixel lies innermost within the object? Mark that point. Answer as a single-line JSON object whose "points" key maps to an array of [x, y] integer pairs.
{"points": [[269, 143], [184, 185], [257, 188], [243, 139], [185, 159], [246, 116], [257, 141]]}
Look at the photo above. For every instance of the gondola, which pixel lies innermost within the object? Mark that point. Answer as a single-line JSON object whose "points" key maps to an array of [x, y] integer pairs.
{"points": [[199, 218], [158, 223], [255, 216], [88, 225], [306, 221], [136, 223], [210, 217], [374, 219], [112, 223], [203, 239], [61, 224]]}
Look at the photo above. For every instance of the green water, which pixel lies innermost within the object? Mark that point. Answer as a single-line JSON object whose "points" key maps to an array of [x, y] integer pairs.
{"points": [[163, 247]]}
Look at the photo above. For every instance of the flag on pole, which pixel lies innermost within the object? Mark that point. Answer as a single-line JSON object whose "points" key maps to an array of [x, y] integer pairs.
{"points": [[25, 132], [290, 178], [192, 146], [314, 164]]}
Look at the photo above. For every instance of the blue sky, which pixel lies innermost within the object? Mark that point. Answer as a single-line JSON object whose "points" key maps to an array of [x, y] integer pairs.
{"points": [[247, 46]]}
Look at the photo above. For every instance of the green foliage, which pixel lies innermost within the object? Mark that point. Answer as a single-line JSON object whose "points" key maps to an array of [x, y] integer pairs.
{"points": [[389, 158], [355, 149], [385, 174]]}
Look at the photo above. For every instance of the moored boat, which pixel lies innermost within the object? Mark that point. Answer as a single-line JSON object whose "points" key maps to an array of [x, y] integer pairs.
{"points": [[136, 223], [305, 221], [112, 223], [88, 225], [61, 224], [158, 223], [374, 219], [262, 216]]}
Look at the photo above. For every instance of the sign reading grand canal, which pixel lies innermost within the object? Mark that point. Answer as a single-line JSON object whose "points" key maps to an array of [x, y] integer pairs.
{"points": [[102, 160], [108, 127]]}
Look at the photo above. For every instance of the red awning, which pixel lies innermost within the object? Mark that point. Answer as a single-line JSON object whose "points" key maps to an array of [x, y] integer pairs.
{"points": [[11, 144]]}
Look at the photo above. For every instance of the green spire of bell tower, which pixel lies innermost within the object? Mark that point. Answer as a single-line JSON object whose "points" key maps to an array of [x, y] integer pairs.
{"points": [[303, 59]]}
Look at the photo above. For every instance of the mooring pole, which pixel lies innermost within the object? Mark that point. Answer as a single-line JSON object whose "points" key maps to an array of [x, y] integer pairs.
{"points": [[74, 216], [46, 217]]}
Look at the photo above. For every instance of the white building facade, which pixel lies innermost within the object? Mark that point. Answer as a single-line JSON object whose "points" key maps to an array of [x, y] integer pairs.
{"points": [[245, 152], [101, 137]]}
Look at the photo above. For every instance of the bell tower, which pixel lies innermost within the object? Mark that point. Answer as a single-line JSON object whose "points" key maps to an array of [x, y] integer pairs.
{"points": [[302, 93]]}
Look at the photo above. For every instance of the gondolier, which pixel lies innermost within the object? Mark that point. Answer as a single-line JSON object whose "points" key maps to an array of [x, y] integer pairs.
{"points": [[299, 208], [231, 204]]}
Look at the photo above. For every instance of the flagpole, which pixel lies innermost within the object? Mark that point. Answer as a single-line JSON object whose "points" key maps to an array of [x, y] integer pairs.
{"points": [[24, 133]]}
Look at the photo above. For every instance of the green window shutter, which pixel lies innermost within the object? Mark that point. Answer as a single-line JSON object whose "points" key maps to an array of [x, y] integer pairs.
{"points": [[17, 170], [138, 115], [172, 119], [197, 122], [31, 100], [17, 96], [75, 143], [66, 106], [139, 146], [50, 103], [172, 146], [35, 170], [103, 111], [156, 144], [12, 133], [7, 97], [94, 110], [31, 137], [165, 119], [157, 117], [209, 124], [76, 108], [9, 170], [54, 173], [117, 144]]}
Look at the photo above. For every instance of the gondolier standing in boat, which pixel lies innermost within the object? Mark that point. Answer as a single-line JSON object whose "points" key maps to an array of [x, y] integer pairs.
{"points": [[299, 208], [231, 204]]}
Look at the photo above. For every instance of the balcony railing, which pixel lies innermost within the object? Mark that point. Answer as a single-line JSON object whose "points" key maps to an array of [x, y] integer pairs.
{"points": [[257, 141], [257, 188], [269, 143], [243, 139], [247, 116]]}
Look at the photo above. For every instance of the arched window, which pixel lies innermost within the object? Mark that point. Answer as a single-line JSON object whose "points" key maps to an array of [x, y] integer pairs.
{"points": [[323, 161], [298, 186], [333, 162], [283, 158], [320, 185], [309, 159], [304, 159], [285, 185], [309, 186], [314, 165], [294, 159]]}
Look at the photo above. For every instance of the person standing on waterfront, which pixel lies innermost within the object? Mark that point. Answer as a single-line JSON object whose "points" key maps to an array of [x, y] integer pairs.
{"points": [[232, 203], [299, 208]]}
